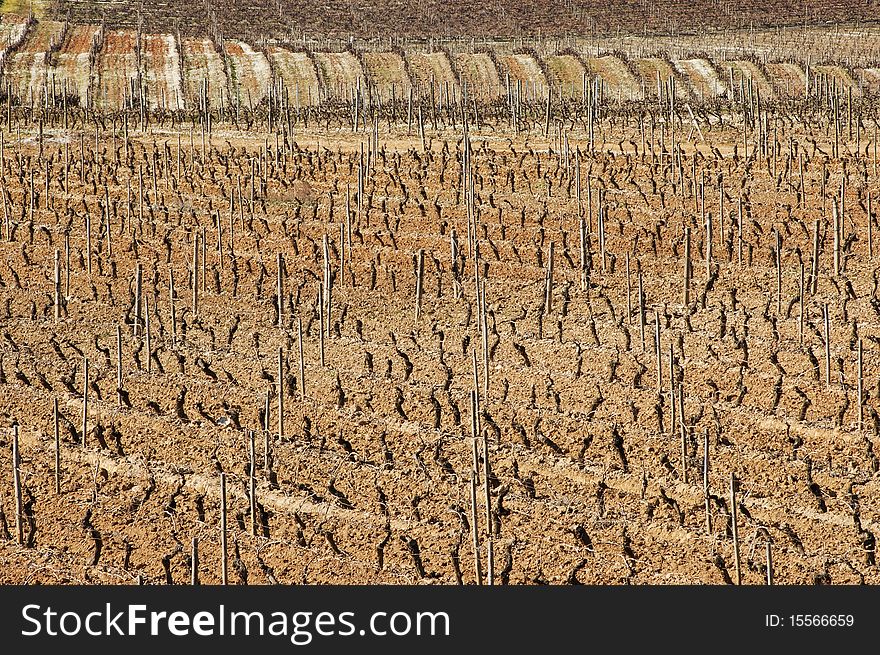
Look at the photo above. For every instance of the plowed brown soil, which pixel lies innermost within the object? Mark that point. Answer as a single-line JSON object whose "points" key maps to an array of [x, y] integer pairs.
{"points": [[368, 478]]}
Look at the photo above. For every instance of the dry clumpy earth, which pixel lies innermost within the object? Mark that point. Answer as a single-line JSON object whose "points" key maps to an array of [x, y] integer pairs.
{"points": [[593, 460]]}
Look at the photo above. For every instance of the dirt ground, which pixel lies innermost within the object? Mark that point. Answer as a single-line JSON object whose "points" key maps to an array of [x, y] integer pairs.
{"points": [[590, 481]]}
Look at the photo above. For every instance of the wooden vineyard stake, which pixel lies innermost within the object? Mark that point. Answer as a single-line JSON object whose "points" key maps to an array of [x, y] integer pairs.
{"points": [[684, 432], [89, 244], [194, 562], [861, 386], [802, 191], [252, 482], [119, 365], [231, 227], [739, 233], [266, 452], [16, 481], [584, 244], [778, 274], [224, 579], [6, 217], [203, 260], [343, 254], [266, 410], [66, 264], [629, 311], [487, 493], [721, 213], [476, 429], [346, 248], [148, 334], [280, 388], [547, 114], [769, 565], [672, 404], [706, 481], [173, 301], [841, 218], [657, 356], [107, 223], [321, 322], [478, 573], [484, 330], [57, 443], [302, 368], [328, 285], [814, 271], [801, 308], [85, 414], [827, 323], [454, 257], [490, 563], [687, 267], [195, 274], [642, 311], [734, 528], [836, 229], [548, 282], [280, 289], [220, 242], [57, 286], [708, 245], [475, 469]]}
